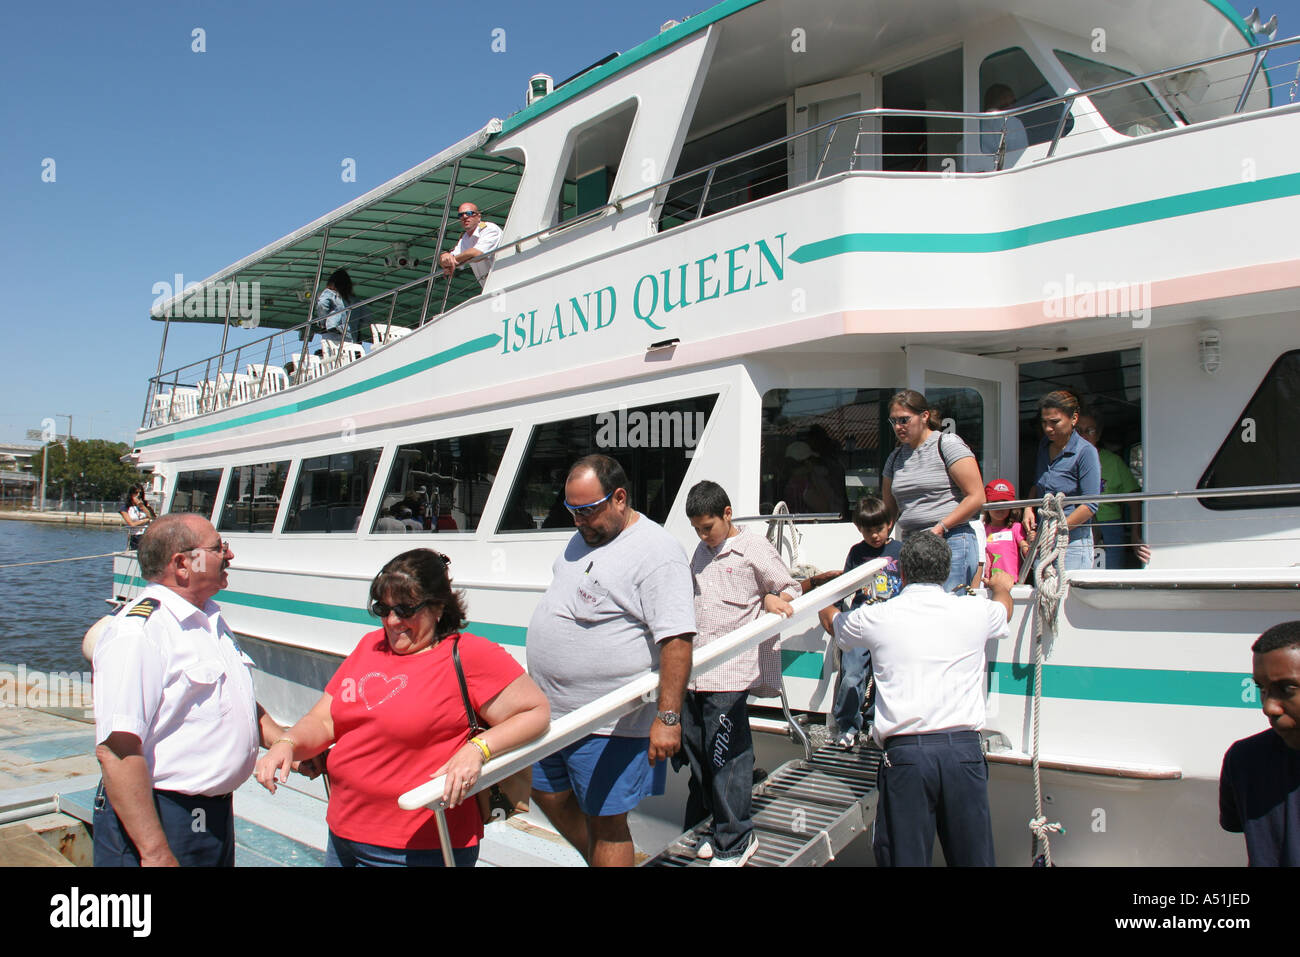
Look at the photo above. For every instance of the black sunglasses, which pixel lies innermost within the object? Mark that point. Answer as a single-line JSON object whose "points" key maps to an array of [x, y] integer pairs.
{"points": [[381, 610], [463, 215]]}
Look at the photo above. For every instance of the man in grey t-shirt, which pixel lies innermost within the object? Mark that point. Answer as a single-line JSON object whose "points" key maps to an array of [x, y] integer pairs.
{"points": [[620, 604]]}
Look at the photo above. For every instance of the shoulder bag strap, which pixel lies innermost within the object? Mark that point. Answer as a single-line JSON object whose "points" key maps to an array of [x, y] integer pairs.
{"points": [[474, 726]]}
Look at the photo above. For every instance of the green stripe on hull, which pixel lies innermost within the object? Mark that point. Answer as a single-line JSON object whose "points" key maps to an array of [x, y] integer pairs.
{"points": [[1211, 689], [1152, 210]]}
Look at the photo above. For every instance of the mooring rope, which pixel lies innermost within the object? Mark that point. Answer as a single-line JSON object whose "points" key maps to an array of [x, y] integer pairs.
{"points": [[52, 561], [1054, 533]]}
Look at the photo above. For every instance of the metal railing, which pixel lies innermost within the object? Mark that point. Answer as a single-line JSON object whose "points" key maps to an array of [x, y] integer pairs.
{"points": [[578, 724]]}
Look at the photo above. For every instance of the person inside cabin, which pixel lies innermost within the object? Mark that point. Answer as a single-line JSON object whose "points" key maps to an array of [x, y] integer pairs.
{"points": [[1116, 524], [476, 244], [390, 523], [738, 576], [1259, 786], [332, 308], [1069, 465], [999, 97]]}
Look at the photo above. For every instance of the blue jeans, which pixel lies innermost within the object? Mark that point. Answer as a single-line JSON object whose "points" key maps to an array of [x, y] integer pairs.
{"points": [[855, 669], [1078, 554], [932, 782], [720, 750], [344, 853], [1114, 540], [965, 556]]}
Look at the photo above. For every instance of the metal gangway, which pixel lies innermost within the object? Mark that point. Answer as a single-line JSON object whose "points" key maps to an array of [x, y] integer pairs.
{"points": [[805, 812]]}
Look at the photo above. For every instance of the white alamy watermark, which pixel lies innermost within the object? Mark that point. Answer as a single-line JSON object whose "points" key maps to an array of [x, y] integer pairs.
{"points": [[1084, 299], [649, 430], [20, 688], [241, 302], [75, 909]]}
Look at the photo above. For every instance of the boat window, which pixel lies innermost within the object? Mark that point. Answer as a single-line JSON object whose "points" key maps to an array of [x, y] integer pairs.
{"points": [[1260, 449], [196, 491], [653, 443], [331, 492], [595, 152], [1015, 70], [441, 485], [253, 497], [1132, 110], [743, 180]]}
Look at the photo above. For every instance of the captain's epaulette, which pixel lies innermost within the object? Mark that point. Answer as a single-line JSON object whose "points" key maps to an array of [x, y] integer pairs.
{"points": [[144, 608]]}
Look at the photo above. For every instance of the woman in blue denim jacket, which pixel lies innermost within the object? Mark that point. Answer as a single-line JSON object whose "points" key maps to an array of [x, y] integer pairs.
{"points": [[1068, 464]]}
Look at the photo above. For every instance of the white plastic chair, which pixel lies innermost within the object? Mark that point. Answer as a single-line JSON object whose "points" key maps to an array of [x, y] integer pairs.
{"points": [[351, 352], [267, 379], [383, 334]]}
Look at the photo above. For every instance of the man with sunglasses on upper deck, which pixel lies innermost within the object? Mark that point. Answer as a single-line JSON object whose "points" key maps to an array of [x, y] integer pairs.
{"points": [[620, 604], [476, 242], [176, 724]]}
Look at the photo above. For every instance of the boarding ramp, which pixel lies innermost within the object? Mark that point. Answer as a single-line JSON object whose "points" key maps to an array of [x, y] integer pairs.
{"points": [[810, 809]]}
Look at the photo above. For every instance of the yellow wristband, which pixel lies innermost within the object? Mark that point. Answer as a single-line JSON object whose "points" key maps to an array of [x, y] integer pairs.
{"points": [[292, 742], [482, 746]]}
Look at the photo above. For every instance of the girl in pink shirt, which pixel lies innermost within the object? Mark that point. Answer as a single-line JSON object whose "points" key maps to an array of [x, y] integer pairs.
{"points": [[1006, 542]]}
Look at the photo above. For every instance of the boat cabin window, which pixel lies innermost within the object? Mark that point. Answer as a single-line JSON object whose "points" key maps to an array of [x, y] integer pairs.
{"points": [[196, 492], [823, 449], [1132, 110], [441, 485], [653, 443], [331, 492], [743, 180], [253, 497], [595, 152], [1013, 70], [1260, 449]]}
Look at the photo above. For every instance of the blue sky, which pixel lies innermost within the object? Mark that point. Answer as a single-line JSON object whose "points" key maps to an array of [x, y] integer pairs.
{"points": [[170, 161]]}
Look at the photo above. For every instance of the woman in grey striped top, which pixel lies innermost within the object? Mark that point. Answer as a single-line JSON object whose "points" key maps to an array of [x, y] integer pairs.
{"points": [[931, 482]]}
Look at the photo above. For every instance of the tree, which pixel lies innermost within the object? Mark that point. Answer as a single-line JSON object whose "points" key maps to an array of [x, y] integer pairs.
{"points": [[91, 468]]}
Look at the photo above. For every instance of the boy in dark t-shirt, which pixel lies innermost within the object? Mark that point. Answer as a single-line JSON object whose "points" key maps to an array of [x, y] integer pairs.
{"points": [[872, 519], [1259, 787]]}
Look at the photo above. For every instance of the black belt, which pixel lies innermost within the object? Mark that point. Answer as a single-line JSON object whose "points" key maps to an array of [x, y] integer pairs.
{"points": [[934, 737], [195, 798]]}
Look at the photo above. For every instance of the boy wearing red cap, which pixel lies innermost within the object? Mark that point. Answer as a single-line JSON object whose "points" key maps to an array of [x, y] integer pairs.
{"points": [[1006, 544]]}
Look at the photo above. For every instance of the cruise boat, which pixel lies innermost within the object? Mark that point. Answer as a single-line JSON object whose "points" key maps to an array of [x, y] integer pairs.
{"points": [[722, 251]]}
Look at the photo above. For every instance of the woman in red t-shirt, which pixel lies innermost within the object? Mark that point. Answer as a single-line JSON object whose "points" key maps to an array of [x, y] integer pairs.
{"points": [[396, 718]]}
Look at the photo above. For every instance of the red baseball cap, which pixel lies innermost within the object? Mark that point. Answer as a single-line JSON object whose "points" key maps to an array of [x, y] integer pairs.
{"points": [[999, 490]]}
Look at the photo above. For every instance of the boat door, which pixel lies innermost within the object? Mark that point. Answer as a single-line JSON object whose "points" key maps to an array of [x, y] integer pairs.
{"points": [[977, 398], [849, 147]]}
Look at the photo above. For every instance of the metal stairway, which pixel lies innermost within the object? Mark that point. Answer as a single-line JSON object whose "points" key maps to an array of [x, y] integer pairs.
{"points": [[805, 812]]}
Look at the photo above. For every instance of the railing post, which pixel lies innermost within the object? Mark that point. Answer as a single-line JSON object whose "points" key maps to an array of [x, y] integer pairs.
{"points": [[1250, 82], [1060, 126], [704, 196], [437, 252], [266, 363], [827, 151]]}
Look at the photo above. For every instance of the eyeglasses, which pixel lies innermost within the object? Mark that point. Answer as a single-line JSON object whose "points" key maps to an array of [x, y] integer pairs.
{"points": [[467, 214], [586, 511], [220, 548], [1088, 431], [898, 420], [381, 610]]}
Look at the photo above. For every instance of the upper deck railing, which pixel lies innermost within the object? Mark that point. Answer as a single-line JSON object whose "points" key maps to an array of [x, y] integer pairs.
{"points": [[286, 359]]}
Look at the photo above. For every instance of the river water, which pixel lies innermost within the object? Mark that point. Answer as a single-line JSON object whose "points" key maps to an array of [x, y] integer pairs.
{"points": [[46, 609]]}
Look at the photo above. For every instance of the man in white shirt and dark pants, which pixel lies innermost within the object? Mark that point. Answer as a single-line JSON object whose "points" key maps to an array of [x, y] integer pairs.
{"points": [[927, 653], [176, 724]]}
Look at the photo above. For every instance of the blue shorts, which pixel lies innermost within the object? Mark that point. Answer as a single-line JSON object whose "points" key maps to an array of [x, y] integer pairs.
{"points": [[608, 775]]}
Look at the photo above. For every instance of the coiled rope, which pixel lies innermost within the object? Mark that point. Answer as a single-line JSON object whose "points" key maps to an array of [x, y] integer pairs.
{"points": [[1054, 538]]}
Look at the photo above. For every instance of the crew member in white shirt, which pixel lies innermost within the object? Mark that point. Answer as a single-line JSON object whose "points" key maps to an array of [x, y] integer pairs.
{"points": [[476, 242], [176, 724], [927, 653]]}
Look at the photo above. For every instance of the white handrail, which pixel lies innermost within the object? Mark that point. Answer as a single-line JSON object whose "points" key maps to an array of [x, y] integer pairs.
{"points": [[637, 692]]}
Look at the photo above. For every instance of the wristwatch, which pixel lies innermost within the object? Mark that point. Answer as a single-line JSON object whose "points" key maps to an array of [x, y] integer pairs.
{"points": [[669, 718]]}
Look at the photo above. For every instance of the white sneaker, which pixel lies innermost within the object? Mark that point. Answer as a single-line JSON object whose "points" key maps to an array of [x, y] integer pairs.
{"points": [[704, 850], [739, 861], [847, 740]]}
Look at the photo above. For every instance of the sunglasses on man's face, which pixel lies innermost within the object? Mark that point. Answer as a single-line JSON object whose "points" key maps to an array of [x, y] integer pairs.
{"points": [[466, 215]]}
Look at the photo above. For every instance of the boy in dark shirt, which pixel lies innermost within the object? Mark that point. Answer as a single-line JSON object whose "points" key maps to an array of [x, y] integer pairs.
{"points": [[872, 519], [1259, 787]]}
